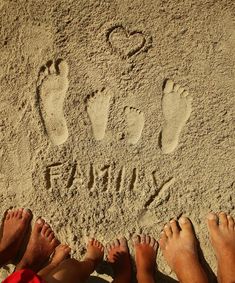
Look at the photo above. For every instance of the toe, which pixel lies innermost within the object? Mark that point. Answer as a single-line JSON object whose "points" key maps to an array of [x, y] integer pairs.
{"points": [[223, 220], [51, 236], [155, 247], [45, 228], [48, 232], [136, 239], [185, 224], [184, 93], [152, 242], [143, 239], [180, 90], [169, 86], [55, 243], [163, 240], [52, 69], [176, 87], [26, 214], [174, 227], [230, 222], [39, 224], [19, 213], [108, 247], [123, 242], [116, 243], [168, 230], [148, 239], [212, 221], [8, 214], [63, 68]]}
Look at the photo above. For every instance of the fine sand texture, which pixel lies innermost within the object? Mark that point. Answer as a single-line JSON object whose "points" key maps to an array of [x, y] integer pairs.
{"points": [[116, 116]]}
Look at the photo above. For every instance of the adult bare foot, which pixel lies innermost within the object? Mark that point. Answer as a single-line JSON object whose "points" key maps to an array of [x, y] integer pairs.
{"points": [[42, 244], [180, 249], [14, 228], [222, 233], [145, 256], [119, 258], [61, 253], [95, 252]]}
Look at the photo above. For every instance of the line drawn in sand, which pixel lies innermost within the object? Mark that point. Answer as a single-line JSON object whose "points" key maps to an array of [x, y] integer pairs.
{"points": [[176, 107], [135, 124], [52, 86], [98, 111]]}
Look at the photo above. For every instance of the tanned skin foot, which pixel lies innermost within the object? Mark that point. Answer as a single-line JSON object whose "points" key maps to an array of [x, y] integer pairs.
{"points": [[61, 253], [14, 228], [42, 244], [119, 258], [222, 234], [95, 252], [145, 256], [180, 249]]}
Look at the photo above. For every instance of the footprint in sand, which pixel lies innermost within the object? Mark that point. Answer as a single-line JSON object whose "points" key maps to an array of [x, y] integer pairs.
{"points": [[135, 124], [176, 106], [98, 112], [52, 87]]}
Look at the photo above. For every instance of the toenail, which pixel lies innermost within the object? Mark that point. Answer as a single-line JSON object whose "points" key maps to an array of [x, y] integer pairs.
{"points": [[211, 216], [39, 221], [183, 220]]}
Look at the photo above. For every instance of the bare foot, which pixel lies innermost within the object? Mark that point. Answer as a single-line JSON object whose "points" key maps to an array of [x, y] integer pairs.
{"points": [[61, 252], [145, 256], [95, 252], [14, 228], [222, 233], [41, 245], [119, 258], [180, 249]]}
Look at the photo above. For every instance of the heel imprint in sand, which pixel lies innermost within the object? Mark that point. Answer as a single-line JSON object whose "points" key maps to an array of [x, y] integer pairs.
{"points": [[135, 124], [52, 86], [98, 112], [176, 107]]}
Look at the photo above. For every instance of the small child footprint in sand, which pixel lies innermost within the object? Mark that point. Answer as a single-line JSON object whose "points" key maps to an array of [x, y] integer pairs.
{"points": [[135, 124], [52, 86], [176, 106], [98, 112]]}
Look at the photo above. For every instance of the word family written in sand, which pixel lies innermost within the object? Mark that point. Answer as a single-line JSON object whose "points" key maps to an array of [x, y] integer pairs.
{"points": [[106, 177]]}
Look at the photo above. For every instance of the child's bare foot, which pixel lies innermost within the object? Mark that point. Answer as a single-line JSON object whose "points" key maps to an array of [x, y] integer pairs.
{"points": [[95, 252], [14, 228], [145, 255], [180, 249], [41, 245], [119, 258], [61, 253], [222, 233]]}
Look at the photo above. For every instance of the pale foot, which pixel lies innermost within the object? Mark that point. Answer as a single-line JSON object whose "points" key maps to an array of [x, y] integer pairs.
{"points": [[176, 107], [119, 258], [42, 244], [61, 254], [222, 233], [145, 255], [14, 229], [180, 249], [95, 252]]}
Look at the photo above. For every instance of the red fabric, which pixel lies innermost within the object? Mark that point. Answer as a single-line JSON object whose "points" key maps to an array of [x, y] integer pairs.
{"points": [[24, 276]]}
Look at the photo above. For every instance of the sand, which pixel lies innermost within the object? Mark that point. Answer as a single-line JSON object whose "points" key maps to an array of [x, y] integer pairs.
{"points": [[116, 116]]}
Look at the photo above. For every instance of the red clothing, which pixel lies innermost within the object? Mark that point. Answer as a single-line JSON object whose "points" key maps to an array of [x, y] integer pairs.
{"points": [[24, 276]]}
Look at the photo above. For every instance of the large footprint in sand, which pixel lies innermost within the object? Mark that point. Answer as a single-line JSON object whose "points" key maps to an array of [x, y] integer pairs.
{"points": [[98, 112], [52, 87], [135, 124], [176, 106]]}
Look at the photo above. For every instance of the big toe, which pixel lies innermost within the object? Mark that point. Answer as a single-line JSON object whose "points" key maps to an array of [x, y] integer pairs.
{"points": [[212, 221], [185, 224]]}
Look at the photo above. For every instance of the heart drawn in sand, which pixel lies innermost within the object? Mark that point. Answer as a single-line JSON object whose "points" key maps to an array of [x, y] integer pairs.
{"points": [[126, 43]]}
